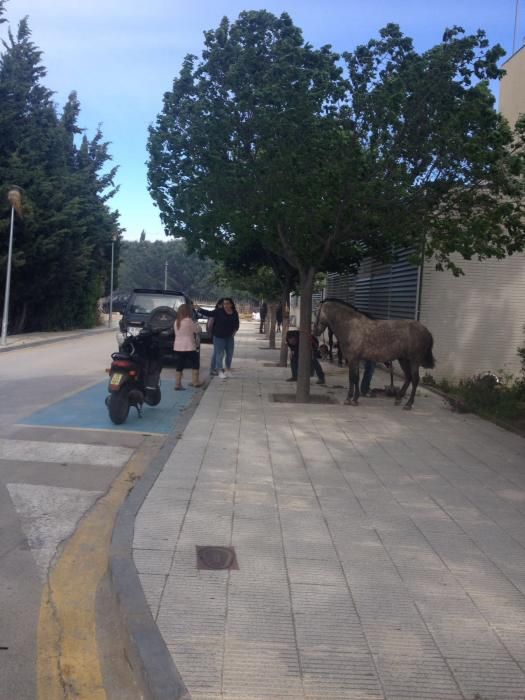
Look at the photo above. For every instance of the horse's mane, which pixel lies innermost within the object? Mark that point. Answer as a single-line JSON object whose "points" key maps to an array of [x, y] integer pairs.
{"points": [[350, 306]]}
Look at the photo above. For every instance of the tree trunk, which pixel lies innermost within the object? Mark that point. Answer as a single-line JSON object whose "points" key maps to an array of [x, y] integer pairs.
{"points": [[283, 357], [271, 324], [305, 343]]}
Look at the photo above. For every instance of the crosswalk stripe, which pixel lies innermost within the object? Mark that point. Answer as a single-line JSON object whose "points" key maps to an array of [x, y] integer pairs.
{"points": [[48, 515], [64, 452]]}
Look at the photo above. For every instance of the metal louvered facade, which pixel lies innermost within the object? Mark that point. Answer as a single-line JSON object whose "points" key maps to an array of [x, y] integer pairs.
{"points": [[384, 290]]}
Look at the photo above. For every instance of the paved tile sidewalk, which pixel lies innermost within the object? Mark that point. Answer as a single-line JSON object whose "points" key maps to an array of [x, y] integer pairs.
{"points": [[381, 552]]}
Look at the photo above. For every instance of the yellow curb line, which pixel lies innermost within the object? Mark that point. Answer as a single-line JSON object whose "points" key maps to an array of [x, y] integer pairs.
{"points": [[68, 663]]}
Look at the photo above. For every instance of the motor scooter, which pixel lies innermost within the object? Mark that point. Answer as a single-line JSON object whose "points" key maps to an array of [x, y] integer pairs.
{"points": [[134, 375]]}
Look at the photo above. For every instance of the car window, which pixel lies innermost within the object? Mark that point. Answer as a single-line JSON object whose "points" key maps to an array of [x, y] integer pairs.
{"points": [[144, 303]]}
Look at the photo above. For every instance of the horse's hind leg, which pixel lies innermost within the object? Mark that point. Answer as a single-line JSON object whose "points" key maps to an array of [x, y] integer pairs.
{"points": [[405, 366], [415, 382], [353, 384]]}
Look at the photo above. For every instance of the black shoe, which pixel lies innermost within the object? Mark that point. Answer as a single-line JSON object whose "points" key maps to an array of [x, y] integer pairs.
{"points": [[291, 379], [321, 381]]}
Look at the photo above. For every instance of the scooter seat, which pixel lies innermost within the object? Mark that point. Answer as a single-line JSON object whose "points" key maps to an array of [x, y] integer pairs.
{"points": [[121, 356]]}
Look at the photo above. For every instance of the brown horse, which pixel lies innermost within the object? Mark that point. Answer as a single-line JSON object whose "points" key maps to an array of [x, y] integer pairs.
{"points": [[362, 338]]}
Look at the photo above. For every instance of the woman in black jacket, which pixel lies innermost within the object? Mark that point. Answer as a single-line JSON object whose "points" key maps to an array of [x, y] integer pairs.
{"points": [[225, 326]]}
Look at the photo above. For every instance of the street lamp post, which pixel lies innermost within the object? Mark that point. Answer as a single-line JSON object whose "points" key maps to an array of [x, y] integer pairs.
{"points": [[113, 239], [15, 199]]}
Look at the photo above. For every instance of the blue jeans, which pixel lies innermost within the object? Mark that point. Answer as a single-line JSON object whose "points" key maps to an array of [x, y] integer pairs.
{"points": [[230, 347], [368, 371], [314, 367], [221, 347]]}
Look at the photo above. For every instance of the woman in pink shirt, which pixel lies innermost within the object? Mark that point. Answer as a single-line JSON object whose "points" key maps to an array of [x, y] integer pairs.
{"points": [[185, 346]]}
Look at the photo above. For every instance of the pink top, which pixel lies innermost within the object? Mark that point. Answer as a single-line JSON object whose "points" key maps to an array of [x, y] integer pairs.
{"points": [[185, 335]]}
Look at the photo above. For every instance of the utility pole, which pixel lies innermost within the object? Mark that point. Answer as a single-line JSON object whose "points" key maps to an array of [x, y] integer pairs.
{"points": [[15, 200], [110, 317], [516, 21], [166, 275]]}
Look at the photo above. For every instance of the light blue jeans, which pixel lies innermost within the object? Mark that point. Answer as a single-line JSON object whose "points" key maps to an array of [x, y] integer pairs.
{"points": [[221, 347]]}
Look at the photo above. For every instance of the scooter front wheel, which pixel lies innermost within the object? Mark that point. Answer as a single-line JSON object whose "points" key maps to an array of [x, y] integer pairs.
{"points": [[152, 396], [118, 405]]}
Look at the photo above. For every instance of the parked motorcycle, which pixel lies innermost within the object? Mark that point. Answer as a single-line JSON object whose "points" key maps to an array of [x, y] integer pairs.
{"points": [[134, 375]]}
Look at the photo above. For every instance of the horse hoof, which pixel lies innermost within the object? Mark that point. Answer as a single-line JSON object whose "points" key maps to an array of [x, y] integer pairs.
{"points": [[408, 407]]}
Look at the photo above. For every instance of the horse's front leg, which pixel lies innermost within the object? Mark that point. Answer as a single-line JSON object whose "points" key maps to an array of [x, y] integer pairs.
{"points": [[352, 398], [405, 366]]}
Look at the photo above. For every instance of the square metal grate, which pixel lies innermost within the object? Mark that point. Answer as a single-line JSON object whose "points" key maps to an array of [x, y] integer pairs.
{"points": [[214, 558]]}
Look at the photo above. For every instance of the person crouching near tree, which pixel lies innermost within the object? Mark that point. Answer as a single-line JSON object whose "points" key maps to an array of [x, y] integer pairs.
{"points": [[185, 346], [292, 340]]}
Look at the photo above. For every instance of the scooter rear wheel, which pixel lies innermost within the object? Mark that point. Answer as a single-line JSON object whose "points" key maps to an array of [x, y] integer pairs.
{"points": [[118, 406]]}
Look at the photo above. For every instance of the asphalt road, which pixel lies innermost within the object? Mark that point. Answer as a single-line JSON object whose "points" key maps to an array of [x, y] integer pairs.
{"points": [[58, 454]]}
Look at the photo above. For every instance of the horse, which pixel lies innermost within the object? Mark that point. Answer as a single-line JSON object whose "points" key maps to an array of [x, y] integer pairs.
{"points": [[363, 338]]}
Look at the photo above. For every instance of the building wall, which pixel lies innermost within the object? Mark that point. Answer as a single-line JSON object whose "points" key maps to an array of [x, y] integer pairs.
{"points": [[477, 320], [512, 87], [385, 290]]}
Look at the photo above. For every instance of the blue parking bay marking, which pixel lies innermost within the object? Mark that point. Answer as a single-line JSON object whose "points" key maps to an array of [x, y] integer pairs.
{"points": [[87, 409]]}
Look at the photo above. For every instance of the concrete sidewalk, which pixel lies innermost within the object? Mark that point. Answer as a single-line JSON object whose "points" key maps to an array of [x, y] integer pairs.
{"points": [[381, 552]]}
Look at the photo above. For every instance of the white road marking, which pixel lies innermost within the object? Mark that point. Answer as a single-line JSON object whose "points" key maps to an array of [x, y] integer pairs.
{"points": [[64, 452], [48, 515]]}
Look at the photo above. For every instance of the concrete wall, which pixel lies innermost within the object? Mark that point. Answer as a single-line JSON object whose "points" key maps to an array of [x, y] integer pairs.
{"points": [[477, 320], [512, 87]]}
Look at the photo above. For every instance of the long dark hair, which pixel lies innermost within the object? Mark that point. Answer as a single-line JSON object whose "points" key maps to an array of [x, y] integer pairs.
{"points": [[231, 302]]}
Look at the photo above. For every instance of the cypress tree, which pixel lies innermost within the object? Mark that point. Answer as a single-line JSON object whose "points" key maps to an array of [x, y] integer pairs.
{"points": [[62, 247]]}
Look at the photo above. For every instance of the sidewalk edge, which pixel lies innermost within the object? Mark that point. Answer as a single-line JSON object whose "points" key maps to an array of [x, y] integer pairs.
{"points": [[154, 669], [50, 341]]}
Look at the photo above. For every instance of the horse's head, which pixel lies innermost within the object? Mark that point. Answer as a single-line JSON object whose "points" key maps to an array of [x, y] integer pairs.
{"points": [[320, 322]]}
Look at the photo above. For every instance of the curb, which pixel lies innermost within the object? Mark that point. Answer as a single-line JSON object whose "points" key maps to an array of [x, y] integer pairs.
{"points": [[149, 657], [50, 341]]}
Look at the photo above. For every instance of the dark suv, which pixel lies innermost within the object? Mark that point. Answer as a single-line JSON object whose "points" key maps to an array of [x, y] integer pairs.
{"points": [[138, 312]]}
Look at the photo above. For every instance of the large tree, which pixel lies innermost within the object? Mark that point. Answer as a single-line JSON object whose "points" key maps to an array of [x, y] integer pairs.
{"points": [[249, 265], [62, 250], [266, 138]]}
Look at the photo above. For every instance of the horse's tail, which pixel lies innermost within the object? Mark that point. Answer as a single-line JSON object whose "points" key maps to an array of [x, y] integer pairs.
{"points": [[429, 361]]}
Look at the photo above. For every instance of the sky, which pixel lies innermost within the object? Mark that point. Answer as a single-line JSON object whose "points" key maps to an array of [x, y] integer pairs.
{"points": [[121, 56]]}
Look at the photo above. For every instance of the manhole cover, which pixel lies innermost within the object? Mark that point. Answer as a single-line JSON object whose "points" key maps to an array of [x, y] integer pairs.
{"points": [[216, 558], [314, 398]]}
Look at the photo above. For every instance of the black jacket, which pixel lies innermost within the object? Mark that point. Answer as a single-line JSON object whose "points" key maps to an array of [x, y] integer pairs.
{"points": [[224, 325]]}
